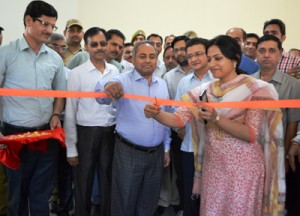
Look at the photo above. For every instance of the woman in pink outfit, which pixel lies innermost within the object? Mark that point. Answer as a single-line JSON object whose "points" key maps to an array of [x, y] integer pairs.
{"points": [[238, 152]]}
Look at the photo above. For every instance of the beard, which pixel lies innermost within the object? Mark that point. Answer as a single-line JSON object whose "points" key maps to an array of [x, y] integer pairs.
{"points": [[183, 63]]}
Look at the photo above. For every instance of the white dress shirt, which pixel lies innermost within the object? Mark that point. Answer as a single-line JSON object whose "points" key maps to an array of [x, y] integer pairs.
{"points": [[86, 111]]}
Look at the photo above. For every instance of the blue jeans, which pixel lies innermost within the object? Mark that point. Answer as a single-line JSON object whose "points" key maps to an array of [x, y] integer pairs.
{"points": [[32, 183]]}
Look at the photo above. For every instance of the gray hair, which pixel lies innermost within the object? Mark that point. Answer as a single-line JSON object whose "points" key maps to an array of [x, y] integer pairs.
{"points": [[55, 37], [136, 46]]}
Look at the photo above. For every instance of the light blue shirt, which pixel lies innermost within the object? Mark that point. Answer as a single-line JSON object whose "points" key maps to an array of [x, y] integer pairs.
{"points": [[131, 122], [22, 68], [173, 77], [188, 83]]}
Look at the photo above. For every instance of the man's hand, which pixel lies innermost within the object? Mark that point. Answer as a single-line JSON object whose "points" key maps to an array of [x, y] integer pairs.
{"points": [[151, 110], [196, 188], [294, 72], [55, 122], [294, 152], [114, 90], [73, 161], [167, 159], [181, 132], [2, 146]]}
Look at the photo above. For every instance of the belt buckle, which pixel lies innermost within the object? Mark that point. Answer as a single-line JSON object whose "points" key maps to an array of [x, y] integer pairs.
{"points": [[151, 150]]}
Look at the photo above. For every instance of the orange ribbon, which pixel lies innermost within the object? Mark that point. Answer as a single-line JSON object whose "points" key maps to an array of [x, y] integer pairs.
{"points": [[157, 101]]}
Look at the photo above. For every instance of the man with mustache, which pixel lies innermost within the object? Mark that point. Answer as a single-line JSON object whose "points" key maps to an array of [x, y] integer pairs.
{"points": [[74, 34], [90, 127], [27, 63], [269, 52], [115, 42], [141, 146]]}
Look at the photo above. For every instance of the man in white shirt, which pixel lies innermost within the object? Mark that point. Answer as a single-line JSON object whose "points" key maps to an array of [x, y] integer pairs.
{"points": [[90, 127]]}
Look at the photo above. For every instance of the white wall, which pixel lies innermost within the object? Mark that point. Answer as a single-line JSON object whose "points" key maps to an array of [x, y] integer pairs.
{"points": [[208, 18], [12, 12]]}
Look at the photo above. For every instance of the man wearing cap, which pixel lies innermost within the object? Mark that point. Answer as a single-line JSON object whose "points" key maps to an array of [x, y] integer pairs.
{"points": [[139, 35], [74, 34]]}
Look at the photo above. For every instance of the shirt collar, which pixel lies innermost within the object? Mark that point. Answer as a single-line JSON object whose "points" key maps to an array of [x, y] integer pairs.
{"points": [[207, 76], [91, 67], [137, 76], [24, 45], [277, 76]]}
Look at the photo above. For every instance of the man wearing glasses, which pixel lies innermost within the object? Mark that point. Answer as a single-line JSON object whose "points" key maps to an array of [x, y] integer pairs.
{"points": [[27, 63], [74, 34], [90, 127]]}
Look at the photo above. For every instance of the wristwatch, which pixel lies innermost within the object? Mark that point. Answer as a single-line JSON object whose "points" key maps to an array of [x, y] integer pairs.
{"points": [[218, 116]]}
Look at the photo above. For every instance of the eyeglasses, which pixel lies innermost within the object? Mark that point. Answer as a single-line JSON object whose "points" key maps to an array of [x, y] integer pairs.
{"points": [[57, 47], [46, 24], [95, 44], [197, 54]]}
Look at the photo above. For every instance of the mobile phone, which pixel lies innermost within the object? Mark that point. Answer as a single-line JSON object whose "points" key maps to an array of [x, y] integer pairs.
{"points": [[203, 97]]}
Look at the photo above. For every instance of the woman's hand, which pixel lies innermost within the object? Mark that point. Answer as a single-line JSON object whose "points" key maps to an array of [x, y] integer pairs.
{"points": [[208, 114]]}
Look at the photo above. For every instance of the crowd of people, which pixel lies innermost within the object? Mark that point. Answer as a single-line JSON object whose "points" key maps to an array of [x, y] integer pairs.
{"points": [[128, 157]]}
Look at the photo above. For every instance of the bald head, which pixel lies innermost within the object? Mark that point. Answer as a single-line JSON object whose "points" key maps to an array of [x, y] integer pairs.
{"points": [[238, 34]]}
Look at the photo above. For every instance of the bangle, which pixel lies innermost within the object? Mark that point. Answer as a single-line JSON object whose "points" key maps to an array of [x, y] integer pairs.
{"points": [[180, 125], [55, 114]]}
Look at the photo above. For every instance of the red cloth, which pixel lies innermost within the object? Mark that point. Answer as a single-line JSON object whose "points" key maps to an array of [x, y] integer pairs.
{"points": [[34, 140]]}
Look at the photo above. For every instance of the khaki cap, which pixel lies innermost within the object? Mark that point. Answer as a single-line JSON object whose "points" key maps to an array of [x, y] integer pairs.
{"points": [[72, 22]]}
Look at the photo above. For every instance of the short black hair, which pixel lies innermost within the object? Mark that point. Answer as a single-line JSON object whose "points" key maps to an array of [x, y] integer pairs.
{"points": [[179, 38], [128, 44], [252, 35], [93, 31], [117, 32], [278, 22], [196, 41], [36, 9], [270, 38], [167, 48], [155, 35]]}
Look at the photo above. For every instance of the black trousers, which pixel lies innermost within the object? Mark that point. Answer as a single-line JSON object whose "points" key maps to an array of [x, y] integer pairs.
{"points": [[176, 156], [293, 191], [191, 207], [95, 145]]}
